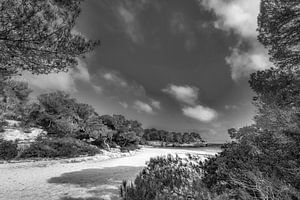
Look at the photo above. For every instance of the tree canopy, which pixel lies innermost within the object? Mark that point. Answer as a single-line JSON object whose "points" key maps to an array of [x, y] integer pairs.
{"points": [[39, 36], [278, 26]]}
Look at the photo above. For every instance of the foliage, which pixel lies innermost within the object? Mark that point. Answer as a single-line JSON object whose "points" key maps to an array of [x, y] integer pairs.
{"points": [[263, 160], [125, 132], [165, 178], [258, 152], [171, 137], [58, 147], [59, 114], [3, 123], [277, 100], [37, 36], [278, 26], [14, 97], [8, 150], [62, 116], [130, 147]]}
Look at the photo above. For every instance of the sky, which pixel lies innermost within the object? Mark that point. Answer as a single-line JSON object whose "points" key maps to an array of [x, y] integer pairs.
{"points": [[170, 64]]}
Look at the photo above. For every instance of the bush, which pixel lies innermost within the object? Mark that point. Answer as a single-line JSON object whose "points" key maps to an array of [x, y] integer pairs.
{"points": [[59, 147], [8, 150], [128, 148], [165, 178], [3, 123]]}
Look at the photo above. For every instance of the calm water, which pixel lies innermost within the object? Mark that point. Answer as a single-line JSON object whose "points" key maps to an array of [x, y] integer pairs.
{"points": [[210, 148]]}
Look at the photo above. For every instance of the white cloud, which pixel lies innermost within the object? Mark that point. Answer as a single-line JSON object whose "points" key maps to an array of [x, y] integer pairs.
{"points": [[115, 79], [201, 113], [114, 84], [98, 89], [180, 26], [155, 104], [143, 107], [240, 17], [184, 94], [65, 81], [189, 96], [237, 15], [243, 63], [124, 104], [128, 13], [231, 107], [131, 25]]}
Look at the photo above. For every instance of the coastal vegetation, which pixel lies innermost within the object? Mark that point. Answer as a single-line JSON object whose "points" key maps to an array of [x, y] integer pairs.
{"points": [[39, 37], [262, 161], [71, 128], [156, 137]]}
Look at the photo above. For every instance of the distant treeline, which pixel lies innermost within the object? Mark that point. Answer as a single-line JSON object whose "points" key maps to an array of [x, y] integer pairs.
{"points": [[172, 137]]}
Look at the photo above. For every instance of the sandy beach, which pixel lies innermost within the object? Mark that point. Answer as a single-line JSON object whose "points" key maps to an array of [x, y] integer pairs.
{"points": [[90, 179]]}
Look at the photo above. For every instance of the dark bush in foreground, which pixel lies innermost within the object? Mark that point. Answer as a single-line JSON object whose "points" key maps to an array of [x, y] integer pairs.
{"points": [[8, 150], [167, 178], [59, 147]]}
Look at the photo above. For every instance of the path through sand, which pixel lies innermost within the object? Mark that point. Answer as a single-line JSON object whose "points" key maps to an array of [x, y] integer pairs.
{"points": [[89, 180]]}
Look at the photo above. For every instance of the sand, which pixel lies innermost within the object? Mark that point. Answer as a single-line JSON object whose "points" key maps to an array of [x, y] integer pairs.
{"points": [[91, 179]]}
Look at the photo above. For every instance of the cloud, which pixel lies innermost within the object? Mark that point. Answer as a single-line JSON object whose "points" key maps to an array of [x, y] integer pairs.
{"points": [[245, 62], [188, 95], [178, 23], [179, 26], [155, 104], [185, 94], [114, 82], [98, 89], [124, 104], [131, 25], [240, 17], [143, 107], [128, 14], [235, 15], [231, 107], [199, 112], [65, 81], [114, 78], [115, 85]]}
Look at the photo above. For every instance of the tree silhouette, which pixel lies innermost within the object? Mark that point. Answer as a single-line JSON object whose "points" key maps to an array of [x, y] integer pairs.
{"points": [[279, 25], [38, 36]]}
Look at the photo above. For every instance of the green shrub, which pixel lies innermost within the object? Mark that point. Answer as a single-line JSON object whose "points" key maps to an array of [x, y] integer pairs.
{"points": [[8, 150], [128, 148], [59, 147], [3, 123], [165, 178]]}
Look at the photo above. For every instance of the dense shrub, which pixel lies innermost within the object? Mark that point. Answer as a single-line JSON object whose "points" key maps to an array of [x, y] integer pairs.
{"points": [[126, 139], [167, 177], [171, 137], [59, 147], [128, 148], [3, 123], [8, 150]]}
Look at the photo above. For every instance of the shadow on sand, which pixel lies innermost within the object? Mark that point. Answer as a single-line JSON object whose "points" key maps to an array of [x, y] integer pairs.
{"points": [[100, 183]]}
